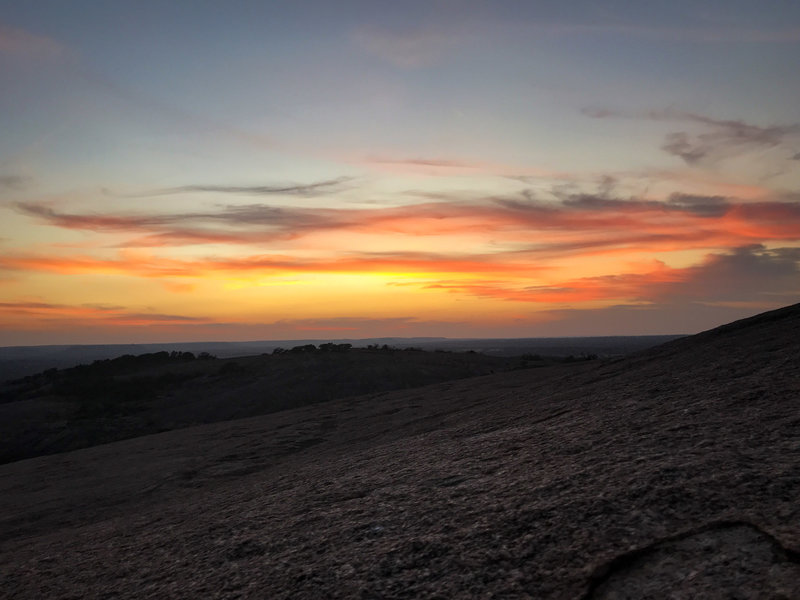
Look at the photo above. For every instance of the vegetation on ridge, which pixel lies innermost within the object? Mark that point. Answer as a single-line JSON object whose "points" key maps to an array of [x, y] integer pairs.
{"points": [[111, 399]]}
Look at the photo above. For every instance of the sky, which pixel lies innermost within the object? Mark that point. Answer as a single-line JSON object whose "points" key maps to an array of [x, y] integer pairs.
{"points": [[242, 170]]}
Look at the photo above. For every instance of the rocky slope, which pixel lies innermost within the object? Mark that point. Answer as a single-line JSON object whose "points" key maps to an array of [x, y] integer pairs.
{"points": [[674, 473]]}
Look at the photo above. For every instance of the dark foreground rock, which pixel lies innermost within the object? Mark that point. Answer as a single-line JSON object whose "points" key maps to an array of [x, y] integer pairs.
{"points": [[671, 474]]}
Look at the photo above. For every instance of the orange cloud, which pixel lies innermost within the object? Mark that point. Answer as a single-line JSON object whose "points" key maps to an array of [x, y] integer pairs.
{"points": [[575, 250], [519, 239], [142, 265], [746, 274], [706, 221], [44, 312]]}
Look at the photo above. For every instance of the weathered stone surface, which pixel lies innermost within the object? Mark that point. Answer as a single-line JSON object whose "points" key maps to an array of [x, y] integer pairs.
{"points": [[751, 562], [674, 473]]}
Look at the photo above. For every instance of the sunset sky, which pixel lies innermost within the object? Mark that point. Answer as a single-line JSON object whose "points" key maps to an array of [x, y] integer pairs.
{"points": [[187, 171]]}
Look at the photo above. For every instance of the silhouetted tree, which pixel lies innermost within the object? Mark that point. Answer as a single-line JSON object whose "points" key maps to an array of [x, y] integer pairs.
{"points": [[304, 348]]}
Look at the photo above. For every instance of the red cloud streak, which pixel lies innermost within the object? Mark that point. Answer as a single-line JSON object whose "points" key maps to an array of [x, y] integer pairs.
{"points": [[694, 222]]}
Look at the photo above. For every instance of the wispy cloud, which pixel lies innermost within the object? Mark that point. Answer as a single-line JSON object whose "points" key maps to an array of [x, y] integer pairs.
{"points": [[458, 166], [14, 182], [430, 162], [28, 45], [230, 224], [594, 220], [428, 166], [702, 206], [329, 186], [723, 138], [97, 313]]}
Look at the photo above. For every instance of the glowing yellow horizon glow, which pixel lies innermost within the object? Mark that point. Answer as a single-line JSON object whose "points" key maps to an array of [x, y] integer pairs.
{"points": [[496, 264]]}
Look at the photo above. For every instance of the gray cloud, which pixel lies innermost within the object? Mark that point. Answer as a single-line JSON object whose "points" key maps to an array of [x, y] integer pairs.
{"points": [[232, 224], [14, 182], [749, 273], [605, 219], [703, 206], [426, 162], [308, 189], [726, 139], [103, 311], [746, 276], [723, 138], [681, 145]]}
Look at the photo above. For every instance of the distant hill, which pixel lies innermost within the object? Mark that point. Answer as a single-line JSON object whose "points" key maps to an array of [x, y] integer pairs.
{"points": [[132, 395], [670, 473], [18, 361]]}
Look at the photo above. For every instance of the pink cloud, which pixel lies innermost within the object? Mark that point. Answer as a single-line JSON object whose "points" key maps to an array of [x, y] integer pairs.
{"points": [[24, 44]]}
